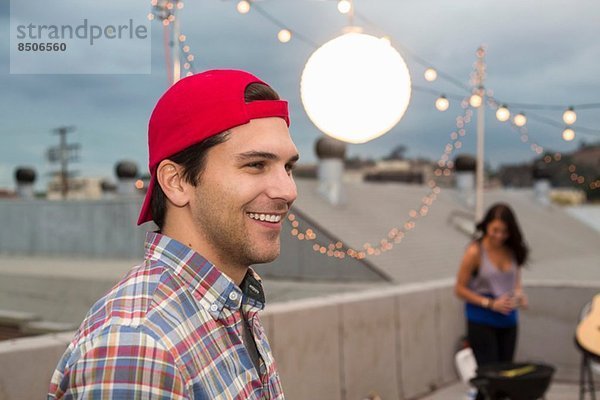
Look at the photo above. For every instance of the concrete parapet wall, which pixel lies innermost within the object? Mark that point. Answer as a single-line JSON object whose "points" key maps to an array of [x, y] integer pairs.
{"points": [[397, 342], [26, 365], [101, 229], [94, 228], [547, 330]]}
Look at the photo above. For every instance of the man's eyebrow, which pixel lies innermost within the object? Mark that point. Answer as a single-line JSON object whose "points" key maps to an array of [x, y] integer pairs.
{"points": [[262, 154]]}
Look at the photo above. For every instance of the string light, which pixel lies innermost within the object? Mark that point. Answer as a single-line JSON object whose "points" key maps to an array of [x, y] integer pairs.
{"points": [[520, 120], [396, 234], [475, 100], [503, 114], [243, 7], [569, 116], [442, 103], [557, 157], [284, 35], [344, 6], [568, 134], [430, 74]]}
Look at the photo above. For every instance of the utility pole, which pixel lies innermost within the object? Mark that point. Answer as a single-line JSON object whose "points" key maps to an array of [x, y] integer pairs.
{"points": [[63, 154], [479, 171], [167, 12]]}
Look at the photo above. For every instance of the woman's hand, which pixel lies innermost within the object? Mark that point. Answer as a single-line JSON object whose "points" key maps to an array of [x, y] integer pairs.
{"points": [[503, 304], [521, 300]]}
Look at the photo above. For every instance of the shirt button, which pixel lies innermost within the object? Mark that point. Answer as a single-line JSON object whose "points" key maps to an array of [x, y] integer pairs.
{"points": [[214, 307], [233, 296]]}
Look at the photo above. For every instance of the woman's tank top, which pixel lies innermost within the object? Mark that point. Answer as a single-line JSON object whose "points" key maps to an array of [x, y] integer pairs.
{"points": [[491, 282]]}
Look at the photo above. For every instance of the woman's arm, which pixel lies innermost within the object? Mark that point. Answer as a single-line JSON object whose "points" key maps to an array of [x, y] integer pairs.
{"points": [[468, 265], [520, 296]]}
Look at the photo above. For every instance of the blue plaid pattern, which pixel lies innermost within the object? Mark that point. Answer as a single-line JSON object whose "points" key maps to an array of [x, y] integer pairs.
{"points": [[171, 329]]}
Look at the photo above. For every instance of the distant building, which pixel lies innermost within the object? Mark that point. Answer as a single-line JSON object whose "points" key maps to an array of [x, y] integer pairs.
{"points": [[79, 189], [7, 194], [516, 175], [588, 155]]}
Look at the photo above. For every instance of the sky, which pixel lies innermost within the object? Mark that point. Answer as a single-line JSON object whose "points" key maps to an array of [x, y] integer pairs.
{"points": [[537, 52]]}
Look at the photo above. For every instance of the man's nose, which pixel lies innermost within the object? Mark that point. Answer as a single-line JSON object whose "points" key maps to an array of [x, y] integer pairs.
{"points": [[282, 186]]}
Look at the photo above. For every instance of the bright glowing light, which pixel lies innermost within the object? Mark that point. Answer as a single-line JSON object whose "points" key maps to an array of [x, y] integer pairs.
{"points": [[355, 87], [503, 114], [568, 134], [284, 36], [344, 6], [520, 119], [243, 7], [150, 17], [182, 38], [442, 103], [569, 116], [139, 184], [475, 100], [430, 74]]}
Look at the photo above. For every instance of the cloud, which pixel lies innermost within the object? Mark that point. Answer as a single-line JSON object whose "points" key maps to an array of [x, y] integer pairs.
{"points": [[542, 53]]}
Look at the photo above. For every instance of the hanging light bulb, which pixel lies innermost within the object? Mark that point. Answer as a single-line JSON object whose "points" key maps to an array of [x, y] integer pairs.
{"points": [[442, 103], [430, 74], [475, 100], [344, 6], [243, 6], [284, 35], [569, 116], [520, 119], [568, 134], [503, 114]]}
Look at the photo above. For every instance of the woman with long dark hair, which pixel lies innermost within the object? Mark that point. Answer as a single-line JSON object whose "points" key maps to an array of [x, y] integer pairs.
{"points": [[489, 281]]}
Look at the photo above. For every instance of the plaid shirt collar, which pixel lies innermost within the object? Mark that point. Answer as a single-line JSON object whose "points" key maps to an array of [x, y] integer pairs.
{"points": [[210, 287]]}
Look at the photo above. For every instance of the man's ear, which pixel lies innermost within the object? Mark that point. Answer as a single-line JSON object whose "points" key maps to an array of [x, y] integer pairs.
{"points": [[170, 178]]}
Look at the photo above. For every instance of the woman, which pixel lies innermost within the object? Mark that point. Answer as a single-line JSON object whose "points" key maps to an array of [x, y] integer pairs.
{"points": [[489, 281]]}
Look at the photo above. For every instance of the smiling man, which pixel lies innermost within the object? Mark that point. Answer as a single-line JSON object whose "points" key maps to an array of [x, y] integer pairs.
{"points": [[184, 324]]}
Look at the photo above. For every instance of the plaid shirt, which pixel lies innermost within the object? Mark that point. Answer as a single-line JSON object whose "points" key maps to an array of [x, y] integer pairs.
{"points": [[171, 329]]}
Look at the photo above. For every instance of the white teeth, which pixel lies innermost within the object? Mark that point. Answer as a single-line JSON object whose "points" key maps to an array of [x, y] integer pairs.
{"points": [[265, 217]]}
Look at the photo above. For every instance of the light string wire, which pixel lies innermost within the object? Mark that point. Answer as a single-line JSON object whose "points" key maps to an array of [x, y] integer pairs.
{"points": [[395, 235]]}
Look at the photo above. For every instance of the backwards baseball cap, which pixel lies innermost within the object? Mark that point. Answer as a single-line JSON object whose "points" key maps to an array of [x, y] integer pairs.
{"points": [[196, 108]]}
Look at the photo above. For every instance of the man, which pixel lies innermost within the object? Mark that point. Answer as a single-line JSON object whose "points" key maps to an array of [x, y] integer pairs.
{"points": [[184, 324]]}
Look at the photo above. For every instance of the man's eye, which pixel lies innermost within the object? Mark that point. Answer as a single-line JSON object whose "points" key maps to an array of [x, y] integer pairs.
{"points": [[257, 165]]}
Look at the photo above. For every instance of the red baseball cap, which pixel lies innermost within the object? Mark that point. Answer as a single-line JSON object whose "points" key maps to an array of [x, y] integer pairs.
{"points": [[196, 108]]}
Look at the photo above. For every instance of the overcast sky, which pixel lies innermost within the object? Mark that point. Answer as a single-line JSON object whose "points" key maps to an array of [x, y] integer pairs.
{"points": [[538, 52]]}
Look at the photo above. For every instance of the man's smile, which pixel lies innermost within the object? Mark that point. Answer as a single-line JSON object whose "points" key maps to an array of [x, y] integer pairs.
{"points": [[273, 218]]}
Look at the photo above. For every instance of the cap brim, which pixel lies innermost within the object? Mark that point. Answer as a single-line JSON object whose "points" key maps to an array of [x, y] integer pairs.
{"points": [[146, 212]]}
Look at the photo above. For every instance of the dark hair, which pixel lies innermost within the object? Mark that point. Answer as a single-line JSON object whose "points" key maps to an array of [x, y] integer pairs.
{"points": [[193, 158], [515, 241]]}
